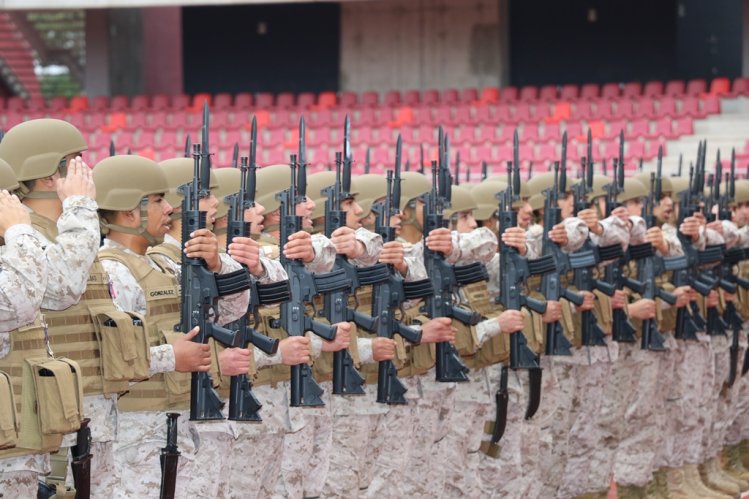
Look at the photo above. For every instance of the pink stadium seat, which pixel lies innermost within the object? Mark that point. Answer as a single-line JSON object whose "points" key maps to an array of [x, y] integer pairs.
{"points": [[504, 153], [78, 104], [610, 91], [168, 141], [12, 119], [569, 92], [639, 129], [431, 97], [683, 126], [139, 103], [483, 153], [322, 118], [614, 127], [118, 103], [58, 103], [720, 86], [710, 105], [469, 95], [463, 115], [506, 134], [646, 108], [502, 114], [229, 138], [124, 140], [443, 115], [159, 103], [136, 121], [740, 86], [574, 130], [243, 101], [371, 99], [484, 115], [220, 120], [667, 106], [530, 132], [663, 128], [653, 89], [547, 153], [327, 100], [552, 132], [675, 88], [145, 140], [36, 104], [573, 152], [99, 104], [450, 96], [651, 149], [635, 150], [408, 135], [604, 110], [15, 104], [696, 87], [625, 109], [158, 120], [319, 136], [492, 94], [285, 100], [487, 135], [222, 101], [526, 152], [276, 138], [522, 112], [583, 110], [610, 150], [589, 91], [180, 103], [393, 98], [349, 100], [529, 93], [179, 120], [548, 93], [305, 100], [690, 106], [632, 89], [263, 100]]}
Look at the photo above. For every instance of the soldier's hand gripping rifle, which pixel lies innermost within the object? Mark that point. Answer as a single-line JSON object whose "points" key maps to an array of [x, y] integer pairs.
{"points": [[551, 283], [169, 458], [346, 379], [243, 405], [587, 258], [304, 389], [446, 278], [513, 272], [201, 288]]}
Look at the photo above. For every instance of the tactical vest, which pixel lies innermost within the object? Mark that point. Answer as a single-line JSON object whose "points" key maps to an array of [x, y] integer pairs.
{"points": [[742, 303], [41, 398], [163, 251], [162, 391], [78, 332]]}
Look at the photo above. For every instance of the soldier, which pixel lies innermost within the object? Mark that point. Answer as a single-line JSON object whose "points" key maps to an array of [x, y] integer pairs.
{"points": [[134, 216], [57, 190], [23, 281]]}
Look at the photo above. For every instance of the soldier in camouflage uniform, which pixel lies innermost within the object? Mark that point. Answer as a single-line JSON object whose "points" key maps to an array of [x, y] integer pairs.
{"points": [[58, 192], [23, 280]]}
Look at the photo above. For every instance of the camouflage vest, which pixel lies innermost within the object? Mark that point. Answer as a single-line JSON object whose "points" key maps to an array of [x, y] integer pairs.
{"points": [[78, 332], [162, 391], [162, 251]]}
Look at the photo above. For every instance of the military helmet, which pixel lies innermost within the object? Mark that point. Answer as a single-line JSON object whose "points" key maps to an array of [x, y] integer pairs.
{"points": [[677, 185], [633, 189], [228, 182], [543, 181], [8, 179], [35, 148], [668, 184], [742, 191], [180, 171], [413, 185], [485, 195], [460, 200], [117, 191], [599, 182], [315, 184], [371, 187], [537, 201], [271, 180]]}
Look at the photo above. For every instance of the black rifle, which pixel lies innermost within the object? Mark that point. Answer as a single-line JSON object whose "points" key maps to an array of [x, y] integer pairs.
{"points": [[201, 288], [112, 148], [81, 464], [421, 159], [188, 146], [235, 152], [389, 294], [514, 270], [446, 278], [346, 379], [304, 389], [551, 285], [243, 406], [366, 160], [457, 168], [484, 170], [169, 458]]}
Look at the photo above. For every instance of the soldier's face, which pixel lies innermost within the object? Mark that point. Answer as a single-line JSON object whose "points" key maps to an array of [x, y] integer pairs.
{"points": [[353, 213], [369, 220], [465, 223], [210, 206], [566, 205], [665, 209], [525, 214], [305, 210], [159, 211], [634, 207], [255, 217], [396, 221], [743, 213]]}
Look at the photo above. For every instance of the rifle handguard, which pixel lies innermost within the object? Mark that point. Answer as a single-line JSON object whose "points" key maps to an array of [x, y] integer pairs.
{"points": [[711, 254], [672, 263], [582, 259], [416, 290], [544, 265], [469, 274], [612, 252], [274, 292], [376, 274], [332, 281], [234, 282], [640, 251]]}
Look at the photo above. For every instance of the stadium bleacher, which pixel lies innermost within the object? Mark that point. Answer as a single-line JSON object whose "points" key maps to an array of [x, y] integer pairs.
{"points": [[481, 122]]}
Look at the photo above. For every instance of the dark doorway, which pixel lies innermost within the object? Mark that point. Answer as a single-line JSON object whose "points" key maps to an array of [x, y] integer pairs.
{"points": [[261, 48]]}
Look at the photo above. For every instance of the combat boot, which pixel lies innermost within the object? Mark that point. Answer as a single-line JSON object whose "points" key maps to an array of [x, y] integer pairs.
{"points": [[741, 484], [731, 460], [697, 487], [676, 485], [656, 488], [715, 480], [744, 453]]}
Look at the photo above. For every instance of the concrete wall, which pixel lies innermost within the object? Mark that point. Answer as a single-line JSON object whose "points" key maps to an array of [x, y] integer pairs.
{"points": [[421, 44]]}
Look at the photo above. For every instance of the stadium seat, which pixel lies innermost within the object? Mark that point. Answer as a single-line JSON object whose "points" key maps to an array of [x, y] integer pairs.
{"points": [[683, 126], [137, 121], [431, 97], [589, 91], [667, 106], [119, 103], [450, 96], [634, 151], [624, 108], [663, 128], [222, 102], [569, 92], [371, 99], [139, 103], [646, 108], [491, 94], [78, 104], [327, 100], [690, 106], [487, 135], [696, 87], [393, 98], [548, 93], [552, 132], [674, 88], [522, 112], [58, 103], [349, 100], [305, 100], [243, 101], [159, 103], [610, 91], [710, 105], [285, 100], [720, 86], [470, 95], [639, 129], [632, 89], [547, 153], [529, 93], [180, 103], [530, 132], [263, 100]]}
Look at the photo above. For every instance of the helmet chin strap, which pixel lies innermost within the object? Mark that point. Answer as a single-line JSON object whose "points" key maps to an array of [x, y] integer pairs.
{"points": [[411, 220], [141, 230]]}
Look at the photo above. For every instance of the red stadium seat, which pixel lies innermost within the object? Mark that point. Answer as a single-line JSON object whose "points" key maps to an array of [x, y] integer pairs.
{"points": [[552, 132], [604, 110], [548, 93], [530, 132], [547, 153], [222, 102], [305, 100], [243, 101], [740, 86], [78, 104], [720, 86], [470, 95], [696, 87], [349, 100], [393, 98], [180, 103], [431, 97], [36, 104], [589, 91], [145, 140], [372, 99], [683, 126], [635, 150], [651, 149], [100, 104], [614, 127], [574, 130], [327, 100], [137, 121], [610, 91], [667, 106], [569, 92], [285, 100], [58, 104], [646, 108], [492, 94], [653, 89], [139, 103], [710, 105], [450, 96], [690, 106], [529, 93], [159, 103], [632, 89], [675, 88], [118, 103], [663, 128], [502, 114], [625, 109], [522, 112], [322, 118], [463, 115], [158, 120], [487, 135], [639, 129], [263, 100], [506, 134]]}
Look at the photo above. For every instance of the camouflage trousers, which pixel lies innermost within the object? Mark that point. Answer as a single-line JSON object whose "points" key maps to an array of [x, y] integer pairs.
{"points": [[719, 403], [635, 452], [18, 484], [738, 424], [305, 461], [591, 376], [393, 439], [353, 453], [666, 394], [257, 448]]}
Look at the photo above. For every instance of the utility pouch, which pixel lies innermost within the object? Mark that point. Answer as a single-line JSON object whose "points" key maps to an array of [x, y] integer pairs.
{"points": [[8, 422]]}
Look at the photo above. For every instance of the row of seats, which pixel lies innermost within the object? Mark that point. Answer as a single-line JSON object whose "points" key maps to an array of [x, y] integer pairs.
{"points": [[393, 98]]}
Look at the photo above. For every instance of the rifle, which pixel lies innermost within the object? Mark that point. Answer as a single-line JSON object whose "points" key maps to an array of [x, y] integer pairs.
{"points": [[484, 170], [346, 379], [457, 168], [112, 148], [235, 152], [304, 390], [389, 294], [421, 159], [445, 277], [366, 160], [243, 405], [622, 329], [169, 458], [530, 170], [513, 272], [551, 286], [81, 464], [188, 146], [201, 288], [586, 259]]}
